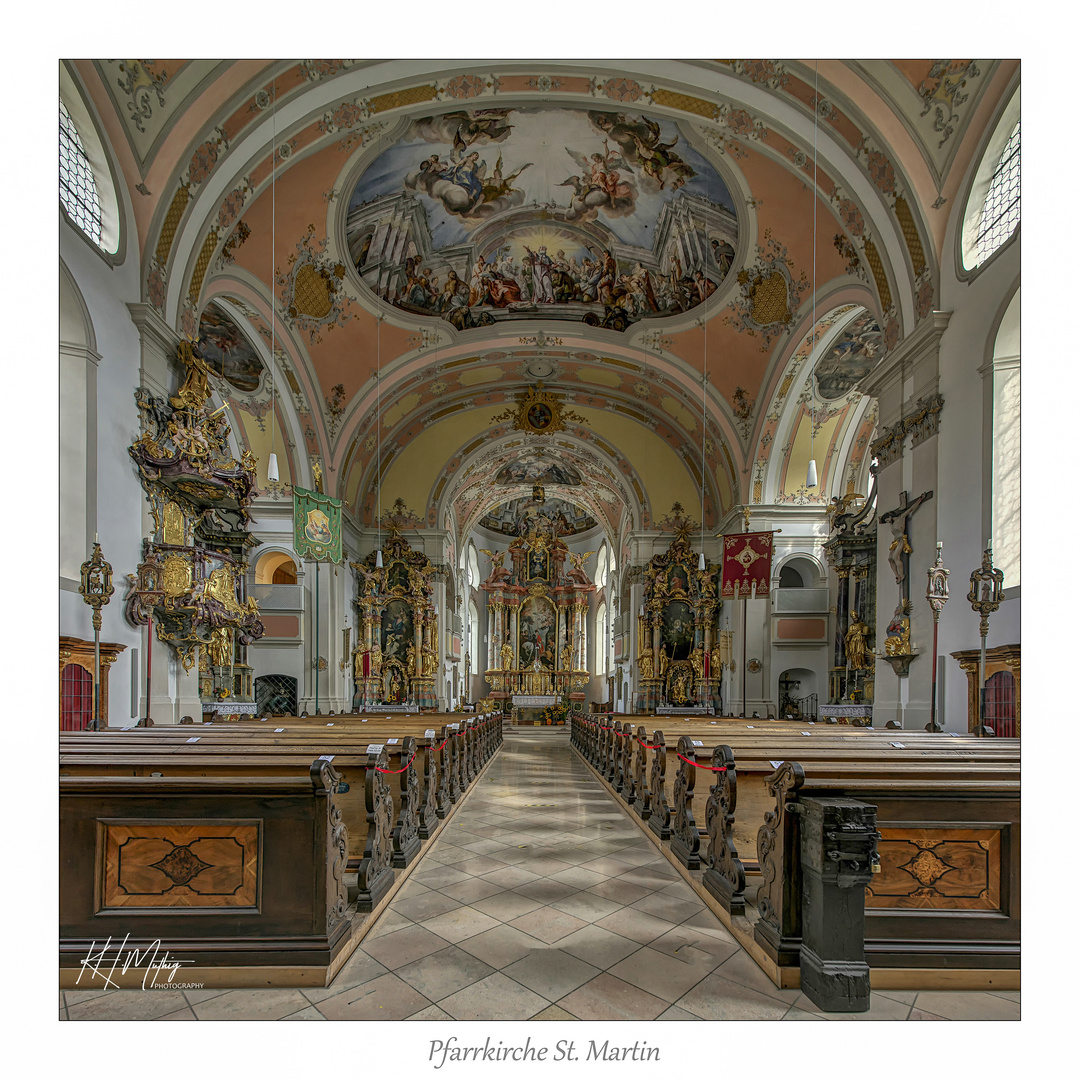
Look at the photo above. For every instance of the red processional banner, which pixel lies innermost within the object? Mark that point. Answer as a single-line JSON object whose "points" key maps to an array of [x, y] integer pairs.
{"points": [[747, 561]]}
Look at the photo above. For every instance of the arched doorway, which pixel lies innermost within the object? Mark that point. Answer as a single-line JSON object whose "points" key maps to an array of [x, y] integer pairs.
{"points": [[76, 698], [797, 694]]}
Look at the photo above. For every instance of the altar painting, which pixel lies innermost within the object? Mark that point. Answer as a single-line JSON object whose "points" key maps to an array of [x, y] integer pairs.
{"points": [[678, 631], [397, 631], [537, 633]]}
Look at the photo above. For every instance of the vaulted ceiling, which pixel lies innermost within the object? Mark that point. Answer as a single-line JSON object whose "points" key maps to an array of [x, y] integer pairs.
{"points": [[705, 297]]}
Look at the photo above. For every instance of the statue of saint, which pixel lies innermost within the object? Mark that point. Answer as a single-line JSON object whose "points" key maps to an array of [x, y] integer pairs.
{"points": [[220, 647], [663, 662], [697, 661], [196, 387], [855, 642], [376, 659], [645, 663], [358, 661], [567, 657], [428, 661], [506, 653]]}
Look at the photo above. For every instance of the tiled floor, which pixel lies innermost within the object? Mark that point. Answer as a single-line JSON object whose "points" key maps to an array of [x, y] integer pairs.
{"points": [[540, 900]]}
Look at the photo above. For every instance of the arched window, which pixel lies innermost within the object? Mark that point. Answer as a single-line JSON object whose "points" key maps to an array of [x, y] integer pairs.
{"points": [[601, 566], [992, 215], [1001, 208], [601, 646], [1005, 464], [78, 191], [88, 188], [474, 638]]}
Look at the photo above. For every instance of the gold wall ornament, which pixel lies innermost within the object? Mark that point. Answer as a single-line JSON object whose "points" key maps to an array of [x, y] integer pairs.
{"points": [[173, 526], [539, 413], [176, 575], [220, 587]]}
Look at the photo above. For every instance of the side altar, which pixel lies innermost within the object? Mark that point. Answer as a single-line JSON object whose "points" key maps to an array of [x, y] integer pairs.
{"points": [[537, 617], [678, 651], [395, 661]]}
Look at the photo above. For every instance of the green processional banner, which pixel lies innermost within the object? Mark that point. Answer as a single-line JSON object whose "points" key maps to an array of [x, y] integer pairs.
{"points": [[316, 526]]}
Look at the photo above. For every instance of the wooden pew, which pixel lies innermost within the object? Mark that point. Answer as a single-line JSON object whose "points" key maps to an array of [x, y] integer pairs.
{"points": [[451, 759], [948, 893], [925, 787], [227, 873]]}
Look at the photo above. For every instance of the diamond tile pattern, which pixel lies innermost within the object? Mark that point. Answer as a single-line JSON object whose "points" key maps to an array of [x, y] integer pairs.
{"points": [[540, 900]]}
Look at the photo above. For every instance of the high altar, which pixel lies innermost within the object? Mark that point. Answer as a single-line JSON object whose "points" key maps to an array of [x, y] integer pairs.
{"points": [[396, 660], [537, 618], [678, 656]]}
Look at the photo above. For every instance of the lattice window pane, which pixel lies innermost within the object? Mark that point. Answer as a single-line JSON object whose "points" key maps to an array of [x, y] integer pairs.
{"points": [[1001, 704], [78, 192], [76, 698], [275, 695], [1001, 210]]}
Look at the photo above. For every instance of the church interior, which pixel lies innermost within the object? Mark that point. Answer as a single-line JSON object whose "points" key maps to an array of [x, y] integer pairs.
{"points": [[697, 454]]}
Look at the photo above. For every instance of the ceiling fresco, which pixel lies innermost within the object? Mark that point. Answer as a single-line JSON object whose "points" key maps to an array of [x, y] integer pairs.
{"points": [[518, 516], [424, 209], [850, 358], [602, 217], [227, 352]]}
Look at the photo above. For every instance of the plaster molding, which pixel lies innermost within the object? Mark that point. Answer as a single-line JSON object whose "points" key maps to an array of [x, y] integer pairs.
{"points": [[915, 358]]}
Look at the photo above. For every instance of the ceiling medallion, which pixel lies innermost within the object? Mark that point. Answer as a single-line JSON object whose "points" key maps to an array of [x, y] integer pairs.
{"points": [[539, 413]]}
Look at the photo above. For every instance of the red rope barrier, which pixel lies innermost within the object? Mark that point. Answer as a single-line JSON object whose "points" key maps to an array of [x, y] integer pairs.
{"points": [[708, 768], [658, 746], [396, 771]]}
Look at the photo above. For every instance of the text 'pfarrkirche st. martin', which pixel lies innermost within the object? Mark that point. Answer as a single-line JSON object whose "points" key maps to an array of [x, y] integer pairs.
{"points": [[444, 1051]]}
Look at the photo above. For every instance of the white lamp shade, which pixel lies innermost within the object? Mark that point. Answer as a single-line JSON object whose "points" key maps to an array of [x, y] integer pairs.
{"points": [[272, 469], [811, 474], [701, 561], [378, 558]]}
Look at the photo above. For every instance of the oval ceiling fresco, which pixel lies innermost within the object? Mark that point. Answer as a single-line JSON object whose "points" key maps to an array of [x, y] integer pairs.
{"points": [[481, 216], [850, 358], [226, 351]]}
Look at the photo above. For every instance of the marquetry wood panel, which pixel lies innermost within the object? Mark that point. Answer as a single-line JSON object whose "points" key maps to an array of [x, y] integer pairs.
{"points": [[940, 868], [180, 864]]}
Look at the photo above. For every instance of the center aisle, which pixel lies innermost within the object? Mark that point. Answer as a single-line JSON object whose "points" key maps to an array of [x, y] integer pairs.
{"points": [[541, 900]]}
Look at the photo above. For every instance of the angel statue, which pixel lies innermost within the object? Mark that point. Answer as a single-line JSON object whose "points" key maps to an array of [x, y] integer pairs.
{"points": [[578, 573], [498, 571]]}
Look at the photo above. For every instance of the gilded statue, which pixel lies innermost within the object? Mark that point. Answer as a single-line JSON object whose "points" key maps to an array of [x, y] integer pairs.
{"points": [[716, 665], [220, 647], [645, 663], [855, 643], [376, 659], [358, 661], [663, 662], [428, 661], [567, 657], [196, 387], [506, 653], [697, 661], [679, 686], [410, 659]]}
